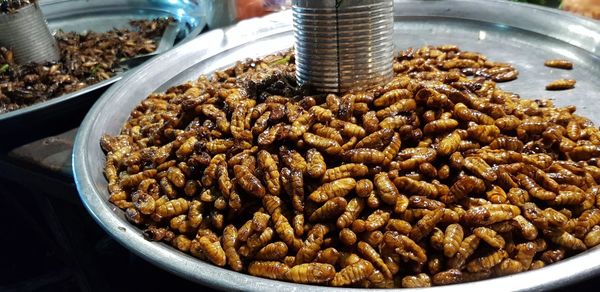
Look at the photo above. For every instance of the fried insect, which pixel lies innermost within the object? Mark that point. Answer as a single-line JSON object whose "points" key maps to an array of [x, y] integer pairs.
{"points": [[449, 144], [452, 239], [426, 224], [316, 163], [344, 171], [466, 114], [561, 84], [337, 188], [213, 251], [421, 280], [332, 208], [490, 214], [353, 273], [416, 187], [386, 189], [392, 97], [271, 173], [364, 155], [440, 126], [250, 183], [490, 237], [311, 247], [311, 273], [272, 252], [486, 262], [353, 209], [269, 269], [559, 63], [325, 145], [480, 168], [347, 237]]}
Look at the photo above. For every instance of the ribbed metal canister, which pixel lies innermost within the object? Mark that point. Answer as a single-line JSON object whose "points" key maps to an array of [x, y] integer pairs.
{"points": [[27, 34], [343, 44]]}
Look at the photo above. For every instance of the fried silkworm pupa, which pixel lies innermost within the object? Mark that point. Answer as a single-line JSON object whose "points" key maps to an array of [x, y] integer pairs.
{"points": [[311, 273], [561, 84], [559, 63]]}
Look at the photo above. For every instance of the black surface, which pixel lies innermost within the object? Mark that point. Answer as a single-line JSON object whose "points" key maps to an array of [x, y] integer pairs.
{"points": [[53, 245]]}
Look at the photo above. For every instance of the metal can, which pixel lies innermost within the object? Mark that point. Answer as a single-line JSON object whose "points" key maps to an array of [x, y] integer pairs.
{"points": [[26, 32], [343, 44]]}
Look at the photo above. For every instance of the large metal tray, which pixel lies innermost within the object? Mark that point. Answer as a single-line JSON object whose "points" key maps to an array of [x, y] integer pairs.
{"points": [[99, 15], [521, 34]]}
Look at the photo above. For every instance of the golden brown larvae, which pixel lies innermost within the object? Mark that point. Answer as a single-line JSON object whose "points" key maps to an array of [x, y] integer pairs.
{"points": [[272, 252], [392, 97], [448, 277], [561, 84], [593, 237], [271, 173], [373, 256], [386, 189], [490, 237], [347, 237], [421, 280], [353, 209], [229, 240], [559, 63], [426, 224], [337, 188], [311, 247], [452, 239], [250, 183], [377, 220], [331, 209], [353, 273], [213, 251], [466, 249], [311, 273], [268, 269], [316, 163], [486, 262], [344, 171], [364, 155], [328, 256]]}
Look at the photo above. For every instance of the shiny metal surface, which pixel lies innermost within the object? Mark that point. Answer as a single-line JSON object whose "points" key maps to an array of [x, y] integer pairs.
{"points": [[97, 15], [27, 33], [220, 13], [343, 45], [521, 34]]}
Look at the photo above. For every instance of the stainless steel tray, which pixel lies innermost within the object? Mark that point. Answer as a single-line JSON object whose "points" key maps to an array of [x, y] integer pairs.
{"points": [[98, 15], [521, 34]]}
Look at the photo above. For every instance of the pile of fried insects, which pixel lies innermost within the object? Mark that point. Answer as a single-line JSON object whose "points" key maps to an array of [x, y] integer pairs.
{"points": [[11, 6], [437, 177], [86, 59]]}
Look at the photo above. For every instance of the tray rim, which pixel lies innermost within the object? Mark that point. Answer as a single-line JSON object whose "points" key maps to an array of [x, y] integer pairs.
{"points": [[585, 263]]}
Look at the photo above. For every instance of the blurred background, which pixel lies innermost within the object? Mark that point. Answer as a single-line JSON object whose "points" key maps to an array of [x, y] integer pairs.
{"points": [[250, 8]]}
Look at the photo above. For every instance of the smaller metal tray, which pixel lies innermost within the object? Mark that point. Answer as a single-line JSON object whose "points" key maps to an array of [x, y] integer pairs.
{"points": [[100, 16]]}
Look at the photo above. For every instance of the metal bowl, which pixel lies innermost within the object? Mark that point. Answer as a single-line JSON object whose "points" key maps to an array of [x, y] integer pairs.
{"points": [[100, 15], [521, 34]]}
